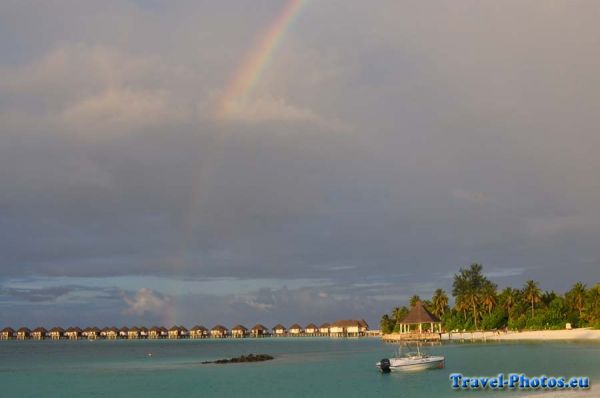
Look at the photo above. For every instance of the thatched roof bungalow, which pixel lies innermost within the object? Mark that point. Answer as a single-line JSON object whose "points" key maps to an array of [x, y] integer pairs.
{"points": [[421, 320], [239, 331], [143, 332], [199, 332], [73, 333], [23, 333], [123, 332], [133, 333], [7, 334], [279, 330], [295, 330], [177, 332], [324, 328], [218, 332], [311, 329], [91, 333], [154, 333], [174, 333], [39, 333], [57, 333], [259, 330], [111, 333], [347, 328]]}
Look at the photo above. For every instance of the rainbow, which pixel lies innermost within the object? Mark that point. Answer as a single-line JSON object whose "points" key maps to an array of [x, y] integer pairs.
{"points": [[256, 61]]}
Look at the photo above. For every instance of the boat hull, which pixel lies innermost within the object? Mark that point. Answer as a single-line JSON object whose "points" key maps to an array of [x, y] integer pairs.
{"points": [[413, 365]]}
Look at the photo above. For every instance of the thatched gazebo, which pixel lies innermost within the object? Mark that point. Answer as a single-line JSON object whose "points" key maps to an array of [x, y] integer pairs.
{"points": [[419, 315]]}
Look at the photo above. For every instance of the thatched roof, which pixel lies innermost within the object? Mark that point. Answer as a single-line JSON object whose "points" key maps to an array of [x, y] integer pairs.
{"points": [[241, 328], [219, 328], [324, 326], [258, 327], [8, 330], [419, 314], [296, 326], [344, 323], [199, 328], [279, 326], [24, 330], [57, 330], [311, 326], [40, 330]]}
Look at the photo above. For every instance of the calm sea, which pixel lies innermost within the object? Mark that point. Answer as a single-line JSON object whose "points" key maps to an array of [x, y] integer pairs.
{"points": [[304, 367]]}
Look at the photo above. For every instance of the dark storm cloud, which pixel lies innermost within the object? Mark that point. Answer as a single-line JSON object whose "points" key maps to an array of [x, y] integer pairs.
{"points": [[385, 147]]}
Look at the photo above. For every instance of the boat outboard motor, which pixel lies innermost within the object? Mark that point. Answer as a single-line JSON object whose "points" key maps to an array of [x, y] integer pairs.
{"points": [[384, 365]]}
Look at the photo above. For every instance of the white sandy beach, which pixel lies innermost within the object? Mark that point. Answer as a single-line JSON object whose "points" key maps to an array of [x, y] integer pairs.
{"points": [[541, 335]]}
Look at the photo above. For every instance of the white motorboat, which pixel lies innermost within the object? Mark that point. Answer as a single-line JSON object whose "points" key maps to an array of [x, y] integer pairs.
{"points": [[412, 361]]}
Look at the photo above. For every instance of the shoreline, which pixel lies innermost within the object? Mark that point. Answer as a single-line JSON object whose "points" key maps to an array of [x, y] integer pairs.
{"points": [[586, 334]]}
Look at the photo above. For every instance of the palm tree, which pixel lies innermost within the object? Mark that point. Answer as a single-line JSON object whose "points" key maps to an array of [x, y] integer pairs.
{"points": [[488, 297], [509, 299], [472, 299], [414, 300], [398, 313], [440, 302], [577, 297], [384, 324], [532, 292], [593, 303], [461, 305]]}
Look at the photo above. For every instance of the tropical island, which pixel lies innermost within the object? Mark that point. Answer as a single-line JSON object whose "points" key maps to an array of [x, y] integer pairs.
{"points": [[479, 306]]}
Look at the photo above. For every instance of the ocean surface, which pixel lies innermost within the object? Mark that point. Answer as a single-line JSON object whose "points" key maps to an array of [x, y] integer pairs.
{"points": [[303, 367]]}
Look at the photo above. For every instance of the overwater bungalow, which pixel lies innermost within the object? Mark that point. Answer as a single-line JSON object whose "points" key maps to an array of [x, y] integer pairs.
{"points": [[7, 334], [133, 333], [57, 333], [218, 332], [143, 332], [259, 330], [111, 333], [39, 333], [123, 332], [295, 330], [164, 332], [154, 333], [73, 333], [199, 332], [177, 332], [279, 330], [23, 333], [347, 328], [183, 332], [92, 333], [239, 331], [311, 329], [324, 328]]}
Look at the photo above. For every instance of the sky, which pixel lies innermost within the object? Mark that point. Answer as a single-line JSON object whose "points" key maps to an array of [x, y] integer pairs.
{"points": [[382, 146]]}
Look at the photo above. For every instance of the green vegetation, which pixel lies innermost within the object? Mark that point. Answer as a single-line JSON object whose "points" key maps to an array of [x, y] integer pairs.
{"points": [[479, 306]]}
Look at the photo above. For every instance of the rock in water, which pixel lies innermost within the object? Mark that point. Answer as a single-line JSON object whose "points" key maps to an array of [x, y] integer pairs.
{"points": [[243, 359]]}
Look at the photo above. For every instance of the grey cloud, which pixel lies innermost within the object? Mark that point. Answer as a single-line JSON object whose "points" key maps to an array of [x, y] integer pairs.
{"points": [[467, 142]]}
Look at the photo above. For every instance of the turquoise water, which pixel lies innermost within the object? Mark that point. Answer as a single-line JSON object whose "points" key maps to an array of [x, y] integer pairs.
{"points": [[307, 367]]}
